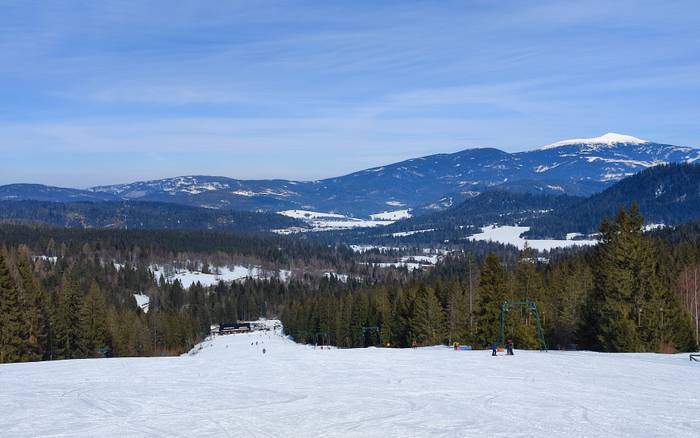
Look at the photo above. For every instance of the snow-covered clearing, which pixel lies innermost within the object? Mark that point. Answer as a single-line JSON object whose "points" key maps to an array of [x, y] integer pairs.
{"points": [[319, 221], [308, 214], [511, 235], [411, 233], [226, 274], [231, 389], [425, 259], [143, 301], [364, 248], [392, 215]]}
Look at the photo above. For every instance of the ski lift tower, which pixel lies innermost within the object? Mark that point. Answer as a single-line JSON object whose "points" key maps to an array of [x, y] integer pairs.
{"points": [[532, 307]]}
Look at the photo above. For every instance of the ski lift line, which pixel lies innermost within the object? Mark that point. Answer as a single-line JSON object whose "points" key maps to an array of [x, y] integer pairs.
{"points": [[532, 307], [373, 329], [323, 337]]}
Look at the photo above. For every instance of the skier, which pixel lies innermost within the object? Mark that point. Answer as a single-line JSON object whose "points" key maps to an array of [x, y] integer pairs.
{"points": [[510, 347], [493, 349]]}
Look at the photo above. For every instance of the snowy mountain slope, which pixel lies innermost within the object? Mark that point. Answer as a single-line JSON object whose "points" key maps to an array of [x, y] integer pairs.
{"points": [[435, 182], [230, 388]]}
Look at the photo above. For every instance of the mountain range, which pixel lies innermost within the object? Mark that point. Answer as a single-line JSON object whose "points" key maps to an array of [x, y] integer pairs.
{"points": [[579, 167]]}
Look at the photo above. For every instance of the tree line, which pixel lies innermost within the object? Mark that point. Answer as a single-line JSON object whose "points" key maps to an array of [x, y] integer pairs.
{"points": [[622, 295], [632, 292]]}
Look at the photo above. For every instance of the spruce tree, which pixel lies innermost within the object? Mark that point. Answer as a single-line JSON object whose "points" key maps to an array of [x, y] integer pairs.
{"points": [[528, 286], [37, 317], [492, 293], [12, 327], [384, 317], [616, 299], [632, 309], [359, 320], [67, 322], [93, 321], [457, 314], [428, 321], [404, 333]]}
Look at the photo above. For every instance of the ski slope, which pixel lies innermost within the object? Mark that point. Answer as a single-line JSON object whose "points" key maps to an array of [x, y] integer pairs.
{"points": [[230, 389]]}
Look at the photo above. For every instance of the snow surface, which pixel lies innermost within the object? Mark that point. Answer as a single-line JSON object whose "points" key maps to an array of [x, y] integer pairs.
{"points": [[142, 301], [308, 214], [425, 259], [511, 235], [340, 277], [392, 215], [394, 203], [365, 248], [608, 139], [50, 259], [411, 233], [230, 389], [319, 221], [226, 274]]}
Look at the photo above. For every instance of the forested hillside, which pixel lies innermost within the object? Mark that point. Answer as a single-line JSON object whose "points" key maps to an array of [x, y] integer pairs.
{"points": [[142, 215], [668, 194], [634, 292], [491, 207]]}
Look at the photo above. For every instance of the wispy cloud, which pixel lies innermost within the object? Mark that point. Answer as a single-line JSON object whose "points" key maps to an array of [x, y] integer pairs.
{"points": [[307, 89]]}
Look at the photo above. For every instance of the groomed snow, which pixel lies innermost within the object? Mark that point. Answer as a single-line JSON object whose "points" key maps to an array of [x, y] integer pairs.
{"points": [[231, 389], [608, 139], [510, 235]]}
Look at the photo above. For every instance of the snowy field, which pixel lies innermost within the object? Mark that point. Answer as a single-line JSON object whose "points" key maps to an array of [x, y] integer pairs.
{"points": [[231, 389], [511, 235], [227, 274], [320, 221]]}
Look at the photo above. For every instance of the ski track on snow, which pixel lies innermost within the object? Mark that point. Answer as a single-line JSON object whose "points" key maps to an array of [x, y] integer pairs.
{"points": [[231, 389]]}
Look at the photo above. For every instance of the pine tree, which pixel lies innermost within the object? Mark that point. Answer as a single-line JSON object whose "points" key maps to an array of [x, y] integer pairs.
{"points": [[632, 309], [36, 313], [67, 322], [93, 321], [457, 314], [429, 319], [492, 293], [12, 327], [616, 299], [359, 320], [403, 332], [382, 307]]}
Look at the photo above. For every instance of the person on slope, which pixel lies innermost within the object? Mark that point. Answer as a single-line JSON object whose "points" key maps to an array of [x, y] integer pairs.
{"points": [[494, 346]]}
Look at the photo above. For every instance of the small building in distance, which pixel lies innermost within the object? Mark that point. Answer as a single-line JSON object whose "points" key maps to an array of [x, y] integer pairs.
{"points": [[234, 327], [231, 328]]}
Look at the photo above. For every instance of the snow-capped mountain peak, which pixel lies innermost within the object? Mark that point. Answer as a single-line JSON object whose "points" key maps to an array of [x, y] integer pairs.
{"points": [[609, 139]]}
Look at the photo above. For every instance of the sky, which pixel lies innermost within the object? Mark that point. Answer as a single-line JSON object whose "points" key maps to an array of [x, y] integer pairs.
{"points": [[108, 92]]}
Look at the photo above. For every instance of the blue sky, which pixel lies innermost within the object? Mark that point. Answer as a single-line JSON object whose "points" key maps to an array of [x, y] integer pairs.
{"points": [[106, 92]]}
